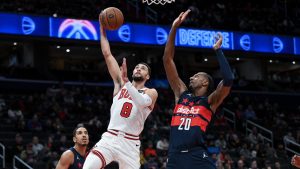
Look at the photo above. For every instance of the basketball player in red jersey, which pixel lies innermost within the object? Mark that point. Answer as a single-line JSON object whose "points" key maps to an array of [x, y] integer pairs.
{"points": [[132, 103]]}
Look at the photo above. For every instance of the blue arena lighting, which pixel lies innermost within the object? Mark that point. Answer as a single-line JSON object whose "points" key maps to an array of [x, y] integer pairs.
{"points": [[142, 34]]}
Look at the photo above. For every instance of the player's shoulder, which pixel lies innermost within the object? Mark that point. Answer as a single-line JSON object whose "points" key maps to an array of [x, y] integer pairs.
{"points": [[151, 90], [68, 154], [67, 158]]}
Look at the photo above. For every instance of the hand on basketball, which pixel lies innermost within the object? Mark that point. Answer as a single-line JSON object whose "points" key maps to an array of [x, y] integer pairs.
{"points": [[219, 40], [177, 22], [296, 161], [124, 71]]}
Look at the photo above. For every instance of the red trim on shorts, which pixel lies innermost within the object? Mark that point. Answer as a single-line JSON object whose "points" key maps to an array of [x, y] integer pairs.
{"points": [[125, 133], [129, 138], [98, 154]]}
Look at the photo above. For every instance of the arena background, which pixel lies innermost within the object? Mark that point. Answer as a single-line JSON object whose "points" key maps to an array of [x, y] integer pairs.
{"points": [[52, 82]]}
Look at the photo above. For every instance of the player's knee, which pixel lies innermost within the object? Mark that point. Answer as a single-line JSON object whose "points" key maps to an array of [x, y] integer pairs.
{"points": [[94, 160]]}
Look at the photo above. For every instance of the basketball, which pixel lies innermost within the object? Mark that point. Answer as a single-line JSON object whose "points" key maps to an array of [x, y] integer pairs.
{"points": [[111, 18]]}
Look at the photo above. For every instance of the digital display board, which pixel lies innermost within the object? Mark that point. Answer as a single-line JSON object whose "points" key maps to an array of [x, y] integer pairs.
{"points": [[263, 43], [24, 25], [66, 28]]}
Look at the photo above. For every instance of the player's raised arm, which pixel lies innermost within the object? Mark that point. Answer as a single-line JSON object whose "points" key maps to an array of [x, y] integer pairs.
{"points": [[141, 100], [176, 83], [223, 89], [111, 62]]}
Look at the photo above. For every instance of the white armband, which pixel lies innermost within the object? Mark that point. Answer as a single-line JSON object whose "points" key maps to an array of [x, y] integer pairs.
{"points": [[141, 100]]}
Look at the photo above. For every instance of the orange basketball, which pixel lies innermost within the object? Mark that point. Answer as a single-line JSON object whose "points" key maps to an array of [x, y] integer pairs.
{"points": [[111, 18]]}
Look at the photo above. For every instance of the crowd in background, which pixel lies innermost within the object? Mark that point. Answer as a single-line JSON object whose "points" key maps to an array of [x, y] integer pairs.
{"points": [[41, 124]]}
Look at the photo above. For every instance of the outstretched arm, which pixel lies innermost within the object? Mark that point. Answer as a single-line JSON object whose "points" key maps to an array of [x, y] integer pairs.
{"points": [[176, 83], [141, 100], [111, 62], [223, 89]]}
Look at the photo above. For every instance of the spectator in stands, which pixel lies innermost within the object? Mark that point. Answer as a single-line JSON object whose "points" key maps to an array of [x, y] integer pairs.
{"points": [[249, 113], [18, 145], [36, 145], [57, 125], [281, 153], [162, 146], [240, 164], [28, 155], [254, 164], [14, 113], [221, 142], [245, 152], [21, 125], [277, 165], [270, 152], [150, 151], [219, 164], [254, 137], [34, 124], [151, 163]]}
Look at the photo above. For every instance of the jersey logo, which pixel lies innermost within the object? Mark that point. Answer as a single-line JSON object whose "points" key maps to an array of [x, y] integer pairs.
{"points": [[186, 110], [205, 155], [124, 94]]}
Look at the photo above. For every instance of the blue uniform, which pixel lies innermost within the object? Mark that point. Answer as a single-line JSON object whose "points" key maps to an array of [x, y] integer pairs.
{"points": [[78, 160], [191, 117]]}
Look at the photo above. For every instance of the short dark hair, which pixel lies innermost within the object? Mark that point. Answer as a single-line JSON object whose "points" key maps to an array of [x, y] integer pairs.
{"points": [[77, 127], [149, 69]]}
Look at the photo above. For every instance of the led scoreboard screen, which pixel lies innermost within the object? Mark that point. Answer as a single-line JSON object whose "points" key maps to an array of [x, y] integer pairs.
{"points": [[143, 34]]}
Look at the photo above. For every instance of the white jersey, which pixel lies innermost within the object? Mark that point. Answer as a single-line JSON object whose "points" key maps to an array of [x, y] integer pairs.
{"points": [[125, 116]]}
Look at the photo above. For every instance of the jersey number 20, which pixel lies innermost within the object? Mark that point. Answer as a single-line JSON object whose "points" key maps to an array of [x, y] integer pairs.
{"points": [[185, 124], [126, 110]]}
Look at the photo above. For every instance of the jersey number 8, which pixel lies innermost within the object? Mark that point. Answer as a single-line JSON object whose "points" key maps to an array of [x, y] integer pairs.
{"points": [[126, 110]]}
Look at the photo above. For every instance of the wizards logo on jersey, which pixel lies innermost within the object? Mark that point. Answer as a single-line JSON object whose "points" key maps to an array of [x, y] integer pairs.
{"points": [[191, 112]]}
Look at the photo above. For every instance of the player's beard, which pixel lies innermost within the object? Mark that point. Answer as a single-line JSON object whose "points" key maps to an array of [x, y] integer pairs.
{"points": [[137, 78]]}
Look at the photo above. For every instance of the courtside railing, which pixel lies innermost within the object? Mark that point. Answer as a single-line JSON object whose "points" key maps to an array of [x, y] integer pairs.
{"points": [[16, 160], [266, 134], [230, 117], [291, 146], [2, 155]]}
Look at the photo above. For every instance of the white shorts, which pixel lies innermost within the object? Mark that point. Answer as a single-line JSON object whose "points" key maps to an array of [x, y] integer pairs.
{"points": [[119, 147]]}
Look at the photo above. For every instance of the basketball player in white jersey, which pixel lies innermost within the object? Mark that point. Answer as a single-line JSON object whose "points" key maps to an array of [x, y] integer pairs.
{"points": [[132, 103]]}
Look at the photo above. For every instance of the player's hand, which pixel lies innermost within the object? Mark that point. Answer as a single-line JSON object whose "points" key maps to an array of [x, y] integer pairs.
{"points": [[296, 161], [177, 22], [219, 40], [124, 71]]}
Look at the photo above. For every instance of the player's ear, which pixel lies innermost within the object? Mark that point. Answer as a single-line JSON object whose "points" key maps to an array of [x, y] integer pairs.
{"points": [[148, 77], [205, 83], [74, 139]]}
